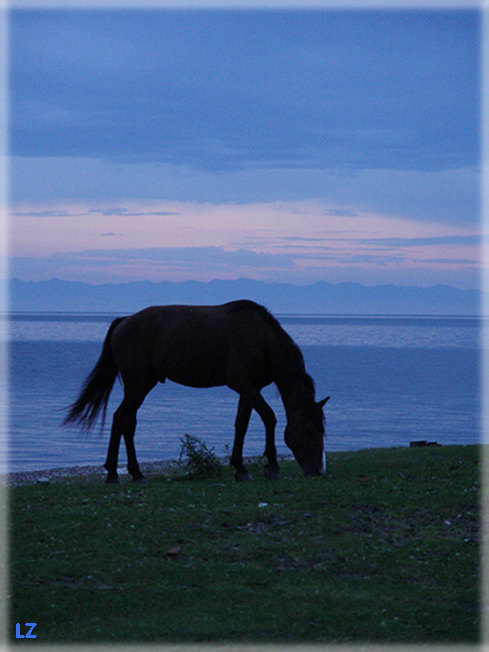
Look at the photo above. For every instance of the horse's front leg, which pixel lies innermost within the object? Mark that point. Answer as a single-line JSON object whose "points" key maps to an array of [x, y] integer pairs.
{"points": [[257, 402], [267, 415], [272, 469], [240, 427]]}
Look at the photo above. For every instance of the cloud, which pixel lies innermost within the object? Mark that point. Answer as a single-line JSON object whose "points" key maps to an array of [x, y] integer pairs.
{"points": [[46, 213], [335, 264], [340, 212], [178, 262], [106, 212], [221, 91], [435, 241], [127, 212], [465, 262], [444, 197], [195, 257], [354, 241]]}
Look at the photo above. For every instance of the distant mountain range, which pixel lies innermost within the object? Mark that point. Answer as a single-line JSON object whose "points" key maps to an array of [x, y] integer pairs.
{"points": [[321, 297]]}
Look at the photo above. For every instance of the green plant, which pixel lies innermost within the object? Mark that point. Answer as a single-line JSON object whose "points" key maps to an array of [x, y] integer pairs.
{"points": [[199, 462]]}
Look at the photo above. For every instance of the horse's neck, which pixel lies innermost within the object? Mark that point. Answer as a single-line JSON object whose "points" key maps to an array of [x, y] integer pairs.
{"points": [[292, 393], [289, 373]]}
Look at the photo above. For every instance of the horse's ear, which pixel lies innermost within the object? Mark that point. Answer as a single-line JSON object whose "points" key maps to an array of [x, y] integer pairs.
{"points": [[324, 401]]}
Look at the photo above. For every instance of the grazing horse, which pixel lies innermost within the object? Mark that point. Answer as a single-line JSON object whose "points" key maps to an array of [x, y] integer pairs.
{"points": [[238, 344]]}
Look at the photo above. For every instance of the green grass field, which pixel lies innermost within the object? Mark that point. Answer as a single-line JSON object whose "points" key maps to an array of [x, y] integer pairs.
{"points": [[385, 548]]}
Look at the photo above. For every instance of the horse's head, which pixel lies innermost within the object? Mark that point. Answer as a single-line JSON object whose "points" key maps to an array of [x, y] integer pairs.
{"points": [[304, 435]]}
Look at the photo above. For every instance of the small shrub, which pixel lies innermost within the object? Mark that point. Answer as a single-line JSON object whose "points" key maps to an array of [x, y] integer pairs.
{"points": [[197, 460]]}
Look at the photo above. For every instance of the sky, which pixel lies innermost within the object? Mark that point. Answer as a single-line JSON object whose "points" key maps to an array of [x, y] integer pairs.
{"points": [[291, 146]]}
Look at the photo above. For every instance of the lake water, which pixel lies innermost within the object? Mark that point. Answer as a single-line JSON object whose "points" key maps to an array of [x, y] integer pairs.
{"points": [[391, 380]]}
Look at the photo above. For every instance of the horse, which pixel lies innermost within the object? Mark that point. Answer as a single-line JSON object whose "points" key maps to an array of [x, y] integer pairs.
{"points": [[238, 344]]}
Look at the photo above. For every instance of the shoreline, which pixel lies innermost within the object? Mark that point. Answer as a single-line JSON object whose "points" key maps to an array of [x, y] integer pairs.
{"points": [[149, 469], [19, 478]]}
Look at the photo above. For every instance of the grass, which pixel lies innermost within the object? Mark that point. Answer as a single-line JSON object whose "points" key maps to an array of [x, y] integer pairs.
{"points": [[383, 549]]}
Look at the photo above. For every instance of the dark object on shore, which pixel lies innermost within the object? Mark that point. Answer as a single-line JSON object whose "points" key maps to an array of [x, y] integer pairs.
{"points": [[174, 552], [422, 442], [238, 344]]}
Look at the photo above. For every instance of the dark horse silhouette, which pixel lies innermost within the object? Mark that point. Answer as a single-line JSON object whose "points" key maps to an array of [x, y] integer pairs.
{"points": [[238, 344]]}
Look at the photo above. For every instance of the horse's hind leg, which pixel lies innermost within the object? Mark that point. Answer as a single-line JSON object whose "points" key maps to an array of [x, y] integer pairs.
{"points": [[241, 425], [113, 450], [132, 463], [124, 424], [133, 399]]}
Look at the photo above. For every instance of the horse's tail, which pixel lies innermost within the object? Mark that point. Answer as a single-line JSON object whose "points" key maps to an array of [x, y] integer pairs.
{"points": [[97, 387]]}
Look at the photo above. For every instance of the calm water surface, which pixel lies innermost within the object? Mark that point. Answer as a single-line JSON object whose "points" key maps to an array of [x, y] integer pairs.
{"points": [[391, 380]]}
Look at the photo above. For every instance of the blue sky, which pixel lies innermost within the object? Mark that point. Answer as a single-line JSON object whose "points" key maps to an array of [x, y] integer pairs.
{"points": [[280, 145]]}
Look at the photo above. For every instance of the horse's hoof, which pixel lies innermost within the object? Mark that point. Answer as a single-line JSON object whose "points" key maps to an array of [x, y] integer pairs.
{"points": [[112, 479], [140, 478], [243, 476], [272, 473]]}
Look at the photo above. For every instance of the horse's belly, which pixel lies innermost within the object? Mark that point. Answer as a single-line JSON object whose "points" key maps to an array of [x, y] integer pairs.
{"points": [[195, 370], [196, 380]]}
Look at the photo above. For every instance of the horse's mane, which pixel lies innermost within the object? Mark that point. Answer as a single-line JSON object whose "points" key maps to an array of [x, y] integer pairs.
{"points": [[291, 350]]}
